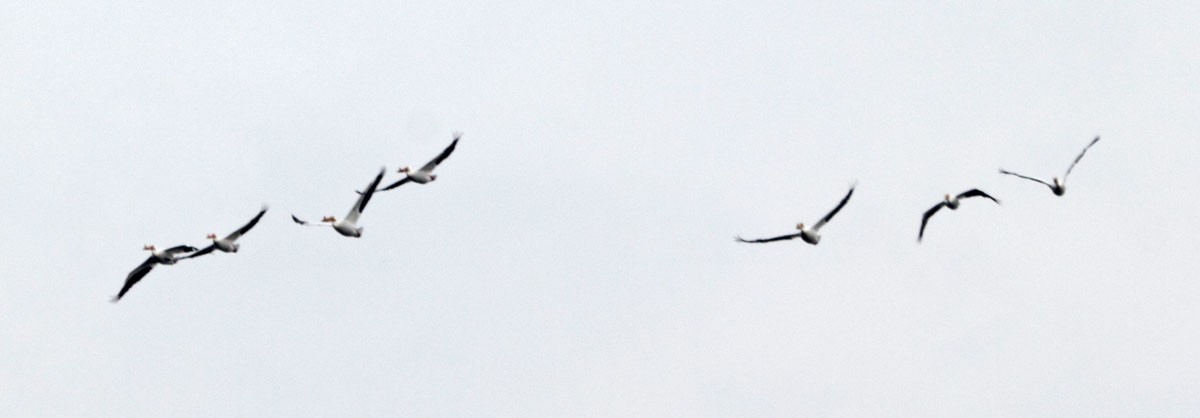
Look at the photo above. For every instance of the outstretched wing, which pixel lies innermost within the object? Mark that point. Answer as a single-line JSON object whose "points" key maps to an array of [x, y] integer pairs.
{"points": [[432, 164], [135, 276], [1003, 171], [180, 249], [1080, 157], [297, 220], [835, 210], [361, 204], [925, 219], [974, 193], [204, 251], [306, 223], [237, 234], [759, 241], [396, 184]]}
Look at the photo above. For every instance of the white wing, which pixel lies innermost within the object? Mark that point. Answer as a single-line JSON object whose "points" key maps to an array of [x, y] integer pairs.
{"points": [[432, 164], [361, 204], [246, 228], [835, 210]]}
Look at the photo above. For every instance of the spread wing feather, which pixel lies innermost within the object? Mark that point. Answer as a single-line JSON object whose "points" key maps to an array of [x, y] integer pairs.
{"points": [[762, 240], [1080, 157]]}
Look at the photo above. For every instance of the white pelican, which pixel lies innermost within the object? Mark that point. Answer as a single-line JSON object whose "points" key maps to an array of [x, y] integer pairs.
{"points": [[425, 174], [952, 203], [229, 243], [348, 227], [809, 235], [167, 256], [1059, 187]]}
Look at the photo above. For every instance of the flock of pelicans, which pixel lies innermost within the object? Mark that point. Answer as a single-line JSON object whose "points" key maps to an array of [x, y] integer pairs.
{"points": [[348, 226], [812, 234]]}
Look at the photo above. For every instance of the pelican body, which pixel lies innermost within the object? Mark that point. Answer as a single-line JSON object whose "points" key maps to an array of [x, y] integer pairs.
{"points": [[224, 245], [809, 235], [419, 176], [348, 228]]}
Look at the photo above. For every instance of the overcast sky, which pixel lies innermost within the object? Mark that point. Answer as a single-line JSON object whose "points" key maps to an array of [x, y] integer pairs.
{"points": [[575, 256]]}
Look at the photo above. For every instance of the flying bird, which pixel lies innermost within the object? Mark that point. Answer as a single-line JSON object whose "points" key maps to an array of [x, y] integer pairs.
{"points": [[167, 256], [229, 243], [425, 174], [1059, 187], [347, 226], [951, 202], [810, 235]]}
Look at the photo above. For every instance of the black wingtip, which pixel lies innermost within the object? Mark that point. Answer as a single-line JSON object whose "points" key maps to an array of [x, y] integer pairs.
{"points": [[297, 220]]}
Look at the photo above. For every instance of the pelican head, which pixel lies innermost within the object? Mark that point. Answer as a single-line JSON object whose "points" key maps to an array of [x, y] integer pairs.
{"points": [[800, 226], [947, 197], [211, 236], [403, 170], [329, 219], [148, 247], [1057, 183]]}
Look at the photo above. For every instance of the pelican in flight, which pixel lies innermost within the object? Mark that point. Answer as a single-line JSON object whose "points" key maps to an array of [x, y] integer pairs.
{"points": [[810, 235], [167, 256], [425, 174], [229, 243], [951, 202], [1059, 187], [348, 227]]}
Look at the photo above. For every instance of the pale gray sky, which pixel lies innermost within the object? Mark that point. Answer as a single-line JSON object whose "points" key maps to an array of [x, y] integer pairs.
{"points": [[575, 257]]}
